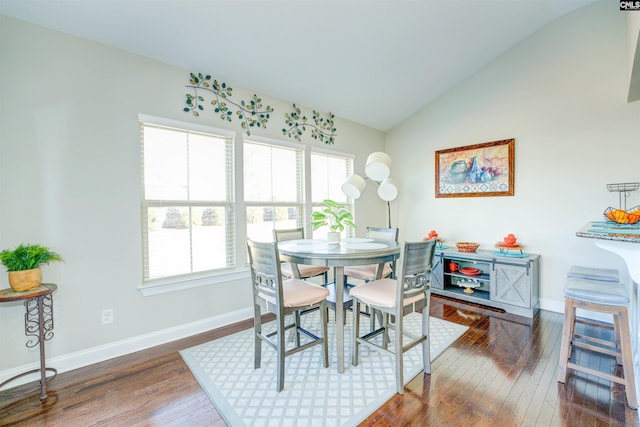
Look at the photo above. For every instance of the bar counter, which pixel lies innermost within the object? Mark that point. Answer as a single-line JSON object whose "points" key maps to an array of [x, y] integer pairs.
{"points": [[624, 241]]}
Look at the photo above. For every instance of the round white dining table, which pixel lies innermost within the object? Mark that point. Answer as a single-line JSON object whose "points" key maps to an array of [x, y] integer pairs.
{"points": [[349, 252]]}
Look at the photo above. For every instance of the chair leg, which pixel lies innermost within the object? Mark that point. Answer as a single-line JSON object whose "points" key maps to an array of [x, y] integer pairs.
{"points": [[325, 334], [616, 331], [297, 319], [567, 336], [426, 353], [257, 331], [385, 334], [627, 358], [399, 355], [281, 351], [376, 314], [355, 334], [294, 331]]}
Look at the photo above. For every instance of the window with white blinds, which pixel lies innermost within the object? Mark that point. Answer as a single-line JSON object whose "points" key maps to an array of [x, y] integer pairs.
{"points": [[204, 192], [273, 187], [187, 201], [328, 172]]}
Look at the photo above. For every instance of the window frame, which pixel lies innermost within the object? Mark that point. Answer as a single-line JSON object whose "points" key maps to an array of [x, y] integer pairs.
{"points": [[240, 270], [152, 286], [350, 203], [300, 203]]}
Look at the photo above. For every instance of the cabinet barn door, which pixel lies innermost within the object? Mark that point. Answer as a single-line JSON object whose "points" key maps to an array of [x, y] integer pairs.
{"points": [[512, 285], [437, 277]]}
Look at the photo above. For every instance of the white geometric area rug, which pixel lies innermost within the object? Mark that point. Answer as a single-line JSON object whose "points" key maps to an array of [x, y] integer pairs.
{"points": [[312, 395]]}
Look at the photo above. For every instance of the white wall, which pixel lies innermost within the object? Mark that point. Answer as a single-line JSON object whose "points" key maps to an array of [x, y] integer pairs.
{"points": [[633, 54], [562, 95], [69, 170], [70, 179]]}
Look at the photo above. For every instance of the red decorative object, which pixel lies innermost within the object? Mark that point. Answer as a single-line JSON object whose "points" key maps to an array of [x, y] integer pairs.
{"points": [[469, 271], [510, 240]]}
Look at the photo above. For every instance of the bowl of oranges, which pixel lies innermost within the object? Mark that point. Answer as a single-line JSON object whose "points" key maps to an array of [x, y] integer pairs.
{"points": [[620, 216]]}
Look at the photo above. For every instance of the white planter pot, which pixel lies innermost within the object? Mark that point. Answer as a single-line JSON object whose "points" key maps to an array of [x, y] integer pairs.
{"points": [[333, 237]]}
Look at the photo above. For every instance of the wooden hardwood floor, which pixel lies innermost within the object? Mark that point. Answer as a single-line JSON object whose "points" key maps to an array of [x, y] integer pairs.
{"points": [[502, 372]]}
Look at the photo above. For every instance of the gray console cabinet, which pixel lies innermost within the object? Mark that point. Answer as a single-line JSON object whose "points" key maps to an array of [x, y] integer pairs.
{"points": [[508, 283]]}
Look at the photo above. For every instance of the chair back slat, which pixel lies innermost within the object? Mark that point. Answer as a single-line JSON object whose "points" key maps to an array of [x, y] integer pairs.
{"points": [[415, 272], [288, 234], [383, 233], [265, 269]]}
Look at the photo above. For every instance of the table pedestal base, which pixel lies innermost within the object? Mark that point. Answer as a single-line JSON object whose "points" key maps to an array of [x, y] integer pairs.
{"points": [[42, 385], [630, 253]]}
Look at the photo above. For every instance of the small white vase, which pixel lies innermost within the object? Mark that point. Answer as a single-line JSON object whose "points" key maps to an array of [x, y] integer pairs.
{"points": [[333, 237]]}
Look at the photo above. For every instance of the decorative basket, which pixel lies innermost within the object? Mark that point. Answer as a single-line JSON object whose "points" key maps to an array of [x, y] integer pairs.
{"points": [[25, 280], [619, 216], [467, 246]]}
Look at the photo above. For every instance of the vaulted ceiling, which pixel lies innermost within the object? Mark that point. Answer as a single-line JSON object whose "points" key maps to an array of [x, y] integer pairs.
{"points": [[373, 62]]}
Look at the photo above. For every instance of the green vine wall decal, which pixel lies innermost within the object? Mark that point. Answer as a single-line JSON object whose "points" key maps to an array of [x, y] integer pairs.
{"points": [[322, 128], [251, 112]]}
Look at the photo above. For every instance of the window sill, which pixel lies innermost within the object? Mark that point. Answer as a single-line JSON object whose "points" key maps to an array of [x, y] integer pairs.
{"points": [[166, 286]]}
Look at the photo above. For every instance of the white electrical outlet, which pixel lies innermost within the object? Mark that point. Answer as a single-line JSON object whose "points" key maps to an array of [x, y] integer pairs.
{"points": [[107, 316]]}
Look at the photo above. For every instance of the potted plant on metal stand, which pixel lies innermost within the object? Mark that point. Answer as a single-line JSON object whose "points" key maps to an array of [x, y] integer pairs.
{"points": [[335, 216], [23, 264]]}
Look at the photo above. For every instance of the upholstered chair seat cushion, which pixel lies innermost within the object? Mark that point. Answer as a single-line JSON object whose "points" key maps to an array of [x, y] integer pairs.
{"points": [[366, 272], [305, 270], [381, 293], [596, 292], [299, 293]]}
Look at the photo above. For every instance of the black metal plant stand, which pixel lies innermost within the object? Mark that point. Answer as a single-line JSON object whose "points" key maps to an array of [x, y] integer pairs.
{"points": [[38, 324]]}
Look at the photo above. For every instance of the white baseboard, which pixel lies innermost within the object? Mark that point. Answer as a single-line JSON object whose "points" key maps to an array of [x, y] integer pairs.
{"points": [[552, 305], [69, 362]]}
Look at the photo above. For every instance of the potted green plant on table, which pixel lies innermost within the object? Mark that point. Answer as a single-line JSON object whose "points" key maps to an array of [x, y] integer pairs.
{"points": [[23, 264], [335, 216]]}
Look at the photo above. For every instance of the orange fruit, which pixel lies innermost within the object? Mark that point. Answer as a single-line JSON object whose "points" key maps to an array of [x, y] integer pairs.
{"points": [[632, 218], [620, 216]]}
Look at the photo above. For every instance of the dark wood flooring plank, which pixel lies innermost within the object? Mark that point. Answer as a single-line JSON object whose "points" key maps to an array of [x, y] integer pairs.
{"points": [[535, 414], [501, 372], [536, 356]]}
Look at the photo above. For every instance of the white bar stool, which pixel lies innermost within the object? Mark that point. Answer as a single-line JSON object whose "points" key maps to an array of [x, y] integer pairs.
{"points": [[609, 298]]}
